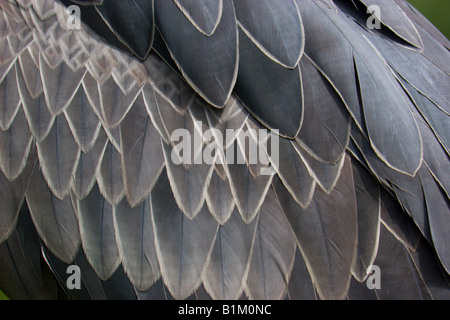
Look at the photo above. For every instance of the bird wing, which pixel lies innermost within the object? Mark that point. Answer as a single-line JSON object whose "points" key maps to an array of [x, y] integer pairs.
{"points": [[353, 121]]}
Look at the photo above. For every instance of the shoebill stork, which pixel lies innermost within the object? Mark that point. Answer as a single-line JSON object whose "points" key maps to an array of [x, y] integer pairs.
{"points": [[353, 119]]}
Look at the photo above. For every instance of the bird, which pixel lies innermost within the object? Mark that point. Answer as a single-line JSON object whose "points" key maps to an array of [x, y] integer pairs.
{"points": [[115, 155]]}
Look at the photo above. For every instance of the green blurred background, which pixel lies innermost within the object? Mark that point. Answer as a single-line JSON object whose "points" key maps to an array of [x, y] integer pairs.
{"points": [[437, 11]]}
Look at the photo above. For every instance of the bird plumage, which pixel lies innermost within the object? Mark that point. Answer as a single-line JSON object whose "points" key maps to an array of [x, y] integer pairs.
{"points": [[88, 114]]}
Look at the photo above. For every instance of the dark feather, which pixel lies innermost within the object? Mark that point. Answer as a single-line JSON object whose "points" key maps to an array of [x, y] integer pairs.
{"points": [[55, 219], [230, 258], [211, 65], [183, 245], [204, 15], [275, 27], [326, 232], [98, 234], [142, 157], [269, 91], [135, 241]]}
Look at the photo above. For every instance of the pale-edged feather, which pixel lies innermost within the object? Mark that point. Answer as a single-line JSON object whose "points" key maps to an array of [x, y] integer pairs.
{"points": [[40, 120], [89, 166], [9, 98], [23, 275], [368, 205], [419, 20], [135, 240], [326, 122], [248, 191], [404, 278], [58, 157], [397, 21], [275, 27], [204, 15], [210, 66], [300, 286], [435, 157], [114, 103], [398, 223], [273, 253], [434, 50], [294, 174], [31, 72], [325, 174], [384, 108], [132, 22], [55, 219], [229, 263], [12, 195], [270, 92], [326, 232], [436, 279], [436, 118], [98, 234], [5, 66], [438, 208], [219, 198], [189, 183], [228, 121], [183, 245], [142, 157], [405, 154], [149, 96], [419, 71], [83, 122], [15, 144], [60, 84], [109, 177], [407, 189]]}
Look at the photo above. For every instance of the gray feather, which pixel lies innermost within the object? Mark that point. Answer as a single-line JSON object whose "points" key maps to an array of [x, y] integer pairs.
{"points": [[114, 103], [83, 122], [31, 73], [183, 245], [60, 84], [89, 166], [397, 21], [248, 191], [15, 144], [135, 240], [273, 253], [142, 157], [188, 183], [204, 15], [368, 204], [230, 258], [325, 130], [326, 233], [98, 233], [325, 174], [275, 27], [55, 219], [58, 157], [219, 198], [40, 120], [294, 174], [211, 65], [12, 195], [109, 177], [9, 98], [438, 207]]}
